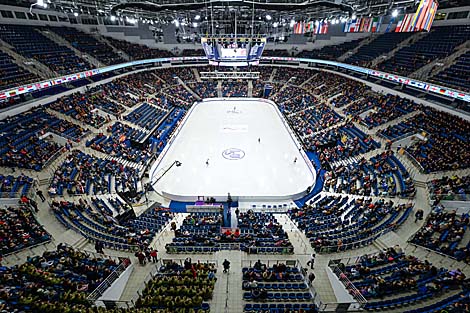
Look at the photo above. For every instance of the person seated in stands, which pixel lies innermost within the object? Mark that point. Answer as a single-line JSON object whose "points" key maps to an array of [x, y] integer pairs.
{"points": [[268, 275], [259, 266]]}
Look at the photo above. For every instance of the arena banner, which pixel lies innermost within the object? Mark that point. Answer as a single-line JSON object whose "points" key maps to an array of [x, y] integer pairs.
{"points": [[426, 87]]}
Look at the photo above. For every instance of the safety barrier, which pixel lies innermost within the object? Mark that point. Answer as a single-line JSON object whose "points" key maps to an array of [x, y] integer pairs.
{"points": [[98, 292]]}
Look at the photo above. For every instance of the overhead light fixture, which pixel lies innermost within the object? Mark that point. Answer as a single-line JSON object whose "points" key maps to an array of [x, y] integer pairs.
{"points": [[194, 24], [75, 14], [131, 20], [275, 24], [176, 22], [112, 18], [292, 23], [197, 17], [41, 3], [268, 17], [395, 13], [353, 16]]}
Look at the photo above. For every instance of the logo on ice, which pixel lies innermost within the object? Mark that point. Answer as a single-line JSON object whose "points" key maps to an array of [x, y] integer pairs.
{"points": [[233, 154]]}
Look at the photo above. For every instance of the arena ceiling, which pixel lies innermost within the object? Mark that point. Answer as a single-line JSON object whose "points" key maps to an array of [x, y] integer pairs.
{"points": [[261, 11]]}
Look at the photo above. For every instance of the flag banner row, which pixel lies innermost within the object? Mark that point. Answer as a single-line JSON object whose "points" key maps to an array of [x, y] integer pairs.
{"points": [[363, 25], [311, 27], [47, 83], [421, 20]]}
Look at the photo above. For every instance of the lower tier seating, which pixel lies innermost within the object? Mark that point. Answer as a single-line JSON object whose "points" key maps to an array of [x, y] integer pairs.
{"points": [[334, 223], [279, 288], [181, 288], [56, 281]]}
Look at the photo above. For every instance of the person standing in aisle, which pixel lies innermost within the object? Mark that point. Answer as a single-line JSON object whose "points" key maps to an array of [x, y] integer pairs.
{"points": [[40, 195], [226, 265]]}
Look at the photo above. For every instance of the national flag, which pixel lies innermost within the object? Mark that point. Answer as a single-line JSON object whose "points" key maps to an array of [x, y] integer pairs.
{"points": [[20, 89], [407, 23], [361, 24], [29, 88], [420, 12], [389, 26], [12, 93], [450, 93], [399, 24], [352, 26], [367, 25], [376, 23], [355, 26], [318, 27], [3, 95], [430, 16], [364, 25], [418, 84], [310, 27], [322, 28]]}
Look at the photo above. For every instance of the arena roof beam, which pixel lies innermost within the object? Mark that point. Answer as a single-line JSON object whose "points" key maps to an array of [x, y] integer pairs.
{"points": [[274, 6]]}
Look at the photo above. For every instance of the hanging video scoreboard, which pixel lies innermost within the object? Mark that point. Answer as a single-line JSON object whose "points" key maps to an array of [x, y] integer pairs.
{"points": [[231, 50]]}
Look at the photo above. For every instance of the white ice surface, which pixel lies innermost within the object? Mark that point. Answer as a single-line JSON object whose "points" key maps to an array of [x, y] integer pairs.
{"points": [[266, 171]]}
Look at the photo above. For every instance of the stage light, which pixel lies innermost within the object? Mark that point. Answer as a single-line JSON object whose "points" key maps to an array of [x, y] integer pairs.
{"points": [[131, 20], [268, 17], [292, 23], [197, 17], [395, 13], [112, 18]]}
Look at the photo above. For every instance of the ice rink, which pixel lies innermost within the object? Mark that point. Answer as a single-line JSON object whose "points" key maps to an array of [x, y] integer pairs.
{"points": [[217, 144]]}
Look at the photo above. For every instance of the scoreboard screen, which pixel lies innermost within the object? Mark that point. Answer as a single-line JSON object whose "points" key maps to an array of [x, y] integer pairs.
{"points": [[231, 51]]}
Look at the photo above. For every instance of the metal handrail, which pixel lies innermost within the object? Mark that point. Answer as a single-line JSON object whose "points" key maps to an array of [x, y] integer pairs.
{"points": [[105, 284], [414, 161], [352, 289]]}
